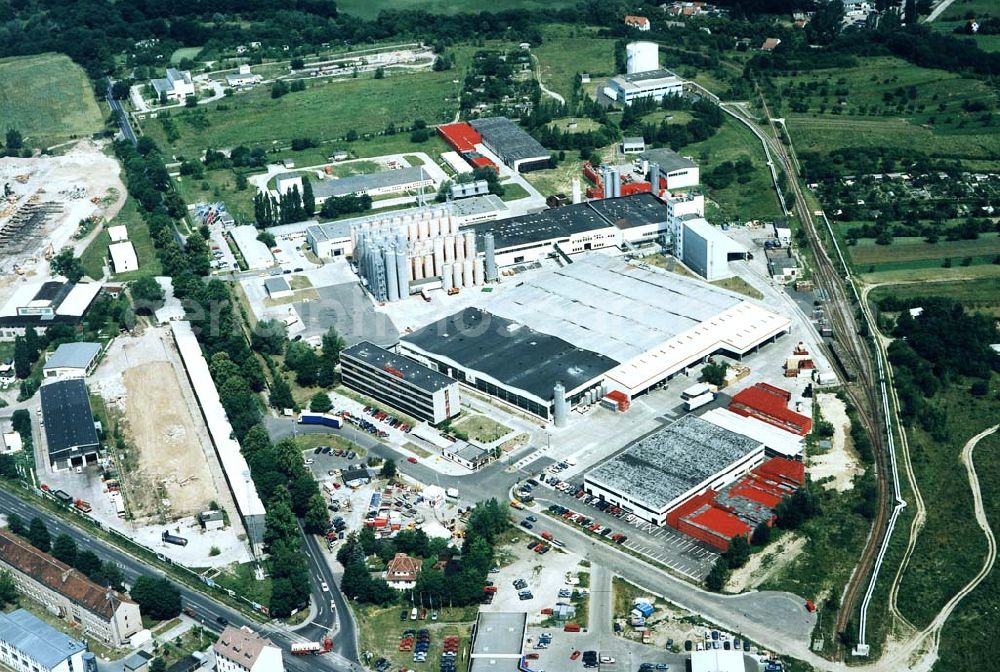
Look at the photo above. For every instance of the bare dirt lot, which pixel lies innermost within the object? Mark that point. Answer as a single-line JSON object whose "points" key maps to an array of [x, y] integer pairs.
{"points": [[841, 462], [162, 430]]}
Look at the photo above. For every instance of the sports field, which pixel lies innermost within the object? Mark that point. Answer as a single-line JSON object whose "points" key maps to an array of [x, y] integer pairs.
{"points": [[327, 110], [369, 9], [914, 252], [48, 98]]}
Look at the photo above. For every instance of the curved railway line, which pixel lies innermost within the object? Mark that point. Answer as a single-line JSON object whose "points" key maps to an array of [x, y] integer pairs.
{"points": [[870, 391]]}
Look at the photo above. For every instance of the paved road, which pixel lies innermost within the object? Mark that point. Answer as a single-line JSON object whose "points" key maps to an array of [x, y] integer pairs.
{"points": [[120, 114], [207, 609], [601, 607]]}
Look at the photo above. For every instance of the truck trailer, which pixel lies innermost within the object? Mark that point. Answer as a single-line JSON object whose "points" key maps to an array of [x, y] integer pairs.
{"points": [[306, 418], [312, 648], [168, 538], [699, 401]]}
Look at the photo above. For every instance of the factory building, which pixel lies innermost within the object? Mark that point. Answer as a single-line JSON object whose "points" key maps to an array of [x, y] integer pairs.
{"points": [[777, 442], [512, 144], [373, 184], [611, 324], [675, 171], [572, 229], [509, 361], [770, 404], [418, 224], [643, 78], [671, 465], [403, 384], [705, 249], [72, 360], [40, 304], [255, 253], [70, 430]]}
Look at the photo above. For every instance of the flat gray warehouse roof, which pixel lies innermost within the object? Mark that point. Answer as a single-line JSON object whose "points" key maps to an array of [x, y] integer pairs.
{"points": [[37, 639], [668, 159], [357, 183], [73, 356], [412, 372], [510, 140], [510, 353], [662, 466], [610, 306]]}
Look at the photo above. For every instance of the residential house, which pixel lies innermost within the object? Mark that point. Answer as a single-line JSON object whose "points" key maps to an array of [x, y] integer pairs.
{"points": [[401, 572], [243, 650]]}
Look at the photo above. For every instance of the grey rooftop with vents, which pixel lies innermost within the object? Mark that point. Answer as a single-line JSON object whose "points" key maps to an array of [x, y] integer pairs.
{"points": [[668, 159], [509, 139], [662, 466], [36, 639], [412, 372]]}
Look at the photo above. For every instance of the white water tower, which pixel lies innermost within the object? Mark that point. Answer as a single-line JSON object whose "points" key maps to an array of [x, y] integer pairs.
{"points": [[642, 56]]}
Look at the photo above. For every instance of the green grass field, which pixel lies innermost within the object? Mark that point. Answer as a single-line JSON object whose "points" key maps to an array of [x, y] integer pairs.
{"points": [[325, 111], [930, 119], [979, 294], [93, 257], [221, 186], [568, 50], [914, 252], [755, 199], [48, 98], [984, 42], [369, 9], [185, 52]]}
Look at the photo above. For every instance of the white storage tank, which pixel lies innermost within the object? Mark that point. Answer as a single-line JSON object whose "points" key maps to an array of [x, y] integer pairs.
{"points": [[428, 265], [411, 229], [425, 229], [642, 57], [447, 277], [418, 268], [459, 249], [467, 277], [435, 227], [449, 249], [457, 274], [470, 244], [479, 272]]}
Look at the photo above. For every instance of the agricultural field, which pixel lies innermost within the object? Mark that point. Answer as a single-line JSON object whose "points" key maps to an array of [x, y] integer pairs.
{"points": [[889, 102], [568, 50], [48, 98], [755, 199], [916, 253], [369, 9], [325, 111]]}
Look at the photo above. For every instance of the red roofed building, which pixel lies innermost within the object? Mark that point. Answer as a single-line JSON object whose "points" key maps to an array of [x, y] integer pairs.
{"points": [[770, 404], [713, 526], [637, 22], [461, 136], [401, 572]]}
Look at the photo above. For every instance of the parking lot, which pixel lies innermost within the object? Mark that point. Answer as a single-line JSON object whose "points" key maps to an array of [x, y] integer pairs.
{"points": [[566, 652], [543, 575], [679, 552]]}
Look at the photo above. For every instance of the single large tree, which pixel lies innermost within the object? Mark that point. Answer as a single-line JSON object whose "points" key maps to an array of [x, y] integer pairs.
{"points": [[157, 598], [39, 536], [65, 549]]}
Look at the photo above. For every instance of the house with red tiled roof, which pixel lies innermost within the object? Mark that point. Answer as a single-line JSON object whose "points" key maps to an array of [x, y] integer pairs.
{"points": [[637, 22], [100, 612], [770, 44], [401, 572]]}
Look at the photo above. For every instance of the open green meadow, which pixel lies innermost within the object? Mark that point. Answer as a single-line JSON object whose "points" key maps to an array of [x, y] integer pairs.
{"points": [[218, 185], [755, 199], [889, 102], [568, 50], [184, 52], [48, 98], [984, 42], [915, 252], [325, 111], [978, 294], [369, 9]]}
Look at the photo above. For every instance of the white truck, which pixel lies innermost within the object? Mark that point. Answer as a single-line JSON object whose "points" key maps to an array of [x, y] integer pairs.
{"points": [[699, 401], [451, 493]]}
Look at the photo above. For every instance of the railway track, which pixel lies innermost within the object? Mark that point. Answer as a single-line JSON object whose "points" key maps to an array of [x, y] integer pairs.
{"points": [[868, 391]]}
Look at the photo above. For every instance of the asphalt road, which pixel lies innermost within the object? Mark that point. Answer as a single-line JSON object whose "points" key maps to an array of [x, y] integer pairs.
{"points": [[120, 115], [208, 610]]}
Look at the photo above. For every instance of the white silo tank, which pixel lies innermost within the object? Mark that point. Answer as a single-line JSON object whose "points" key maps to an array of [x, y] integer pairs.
{"points": [[577, 195], [467, 277], [418, 268], [642, 56], [428, 265], [479, 272], [447, 277], [391, 274], [459, 249], [435, 227], [449, 249], [411, 229], [453, 225], [438, 262], [424, 229], [457, 274], [470, 244]]}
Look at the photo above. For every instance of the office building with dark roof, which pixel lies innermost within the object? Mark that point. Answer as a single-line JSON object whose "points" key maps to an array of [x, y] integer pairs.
{"points": [[512, 144], [419, 391], [70, 432], [507, 360]]}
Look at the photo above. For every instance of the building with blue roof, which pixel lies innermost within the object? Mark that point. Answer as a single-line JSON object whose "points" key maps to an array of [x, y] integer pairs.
{"points": [[28, 644]]}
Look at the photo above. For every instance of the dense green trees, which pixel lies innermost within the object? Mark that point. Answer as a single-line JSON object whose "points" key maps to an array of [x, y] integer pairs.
{"points": [[8, 590], [64, 548], [339, 206], [157, 598], [320, 403], [65, 264], [147, 295], [38, 535]]}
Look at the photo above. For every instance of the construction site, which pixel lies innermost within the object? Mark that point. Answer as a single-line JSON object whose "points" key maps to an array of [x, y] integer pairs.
{"points": [[52, 202]]}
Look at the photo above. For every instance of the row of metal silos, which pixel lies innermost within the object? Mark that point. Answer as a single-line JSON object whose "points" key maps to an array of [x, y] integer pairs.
{"points": [[429, 257], [467, 273]]}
